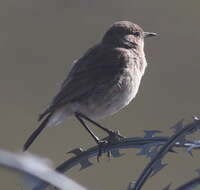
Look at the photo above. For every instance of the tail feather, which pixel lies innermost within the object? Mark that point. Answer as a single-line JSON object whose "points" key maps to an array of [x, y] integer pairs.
{"points": [[34, 135]]}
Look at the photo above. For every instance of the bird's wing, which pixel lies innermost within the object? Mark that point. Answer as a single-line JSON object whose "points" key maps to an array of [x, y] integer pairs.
{"points": [[98, 66]]}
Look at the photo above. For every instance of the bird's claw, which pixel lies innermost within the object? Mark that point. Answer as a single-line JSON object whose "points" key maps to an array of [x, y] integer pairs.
{"points": [[102, 147], [114, 137]]}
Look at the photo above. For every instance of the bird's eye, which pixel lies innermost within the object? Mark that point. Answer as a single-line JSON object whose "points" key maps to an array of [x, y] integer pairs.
{"points": [[136, 34]]}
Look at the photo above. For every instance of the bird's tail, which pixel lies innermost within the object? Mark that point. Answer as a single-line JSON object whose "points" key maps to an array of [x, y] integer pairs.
{"points": [[37, 132]]}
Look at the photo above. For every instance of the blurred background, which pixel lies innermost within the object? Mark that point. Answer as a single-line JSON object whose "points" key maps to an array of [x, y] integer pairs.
{"points": [[39, 39]]}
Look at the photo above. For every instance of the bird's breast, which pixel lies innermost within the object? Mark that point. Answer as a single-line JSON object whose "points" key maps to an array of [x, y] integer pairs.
{"points": [[111, 97]]}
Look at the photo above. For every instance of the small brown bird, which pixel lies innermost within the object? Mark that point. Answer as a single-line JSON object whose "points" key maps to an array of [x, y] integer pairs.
{"points": [[103, 81]]}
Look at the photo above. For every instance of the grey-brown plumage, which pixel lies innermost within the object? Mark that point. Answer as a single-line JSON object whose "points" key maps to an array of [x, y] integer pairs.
{"points": [[104, 80]]}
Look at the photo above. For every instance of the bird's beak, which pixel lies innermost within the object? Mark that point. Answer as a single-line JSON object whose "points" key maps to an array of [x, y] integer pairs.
{"points": [[149, 34]]}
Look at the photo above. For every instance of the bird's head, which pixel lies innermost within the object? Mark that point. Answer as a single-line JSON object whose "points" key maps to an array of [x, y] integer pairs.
{"points": [[126, 34]]}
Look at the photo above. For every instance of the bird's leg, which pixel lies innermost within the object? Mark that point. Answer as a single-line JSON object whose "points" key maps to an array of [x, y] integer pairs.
{"points": [[87, 128], [112, 136], [100, 143]]}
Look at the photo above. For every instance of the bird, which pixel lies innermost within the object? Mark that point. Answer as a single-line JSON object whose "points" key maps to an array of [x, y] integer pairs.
{"points": [[101, 82]]}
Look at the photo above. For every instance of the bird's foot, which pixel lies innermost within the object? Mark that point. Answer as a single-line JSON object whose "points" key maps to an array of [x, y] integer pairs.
{"points": [[102, 145], [113, 137]]}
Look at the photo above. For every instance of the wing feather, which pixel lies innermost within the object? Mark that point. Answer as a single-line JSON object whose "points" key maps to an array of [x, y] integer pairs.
{"points": [[98, 66]]}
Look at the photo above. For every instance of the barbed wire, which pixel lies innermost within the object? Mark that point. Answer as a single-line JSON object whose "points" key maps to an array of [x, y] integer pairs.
{"points": [[148, 146]]}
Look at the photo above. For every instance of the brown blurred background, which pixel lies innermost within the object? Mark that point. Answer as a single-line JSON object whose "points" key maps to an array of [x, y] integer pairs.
{"points": [[39, 39]]}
